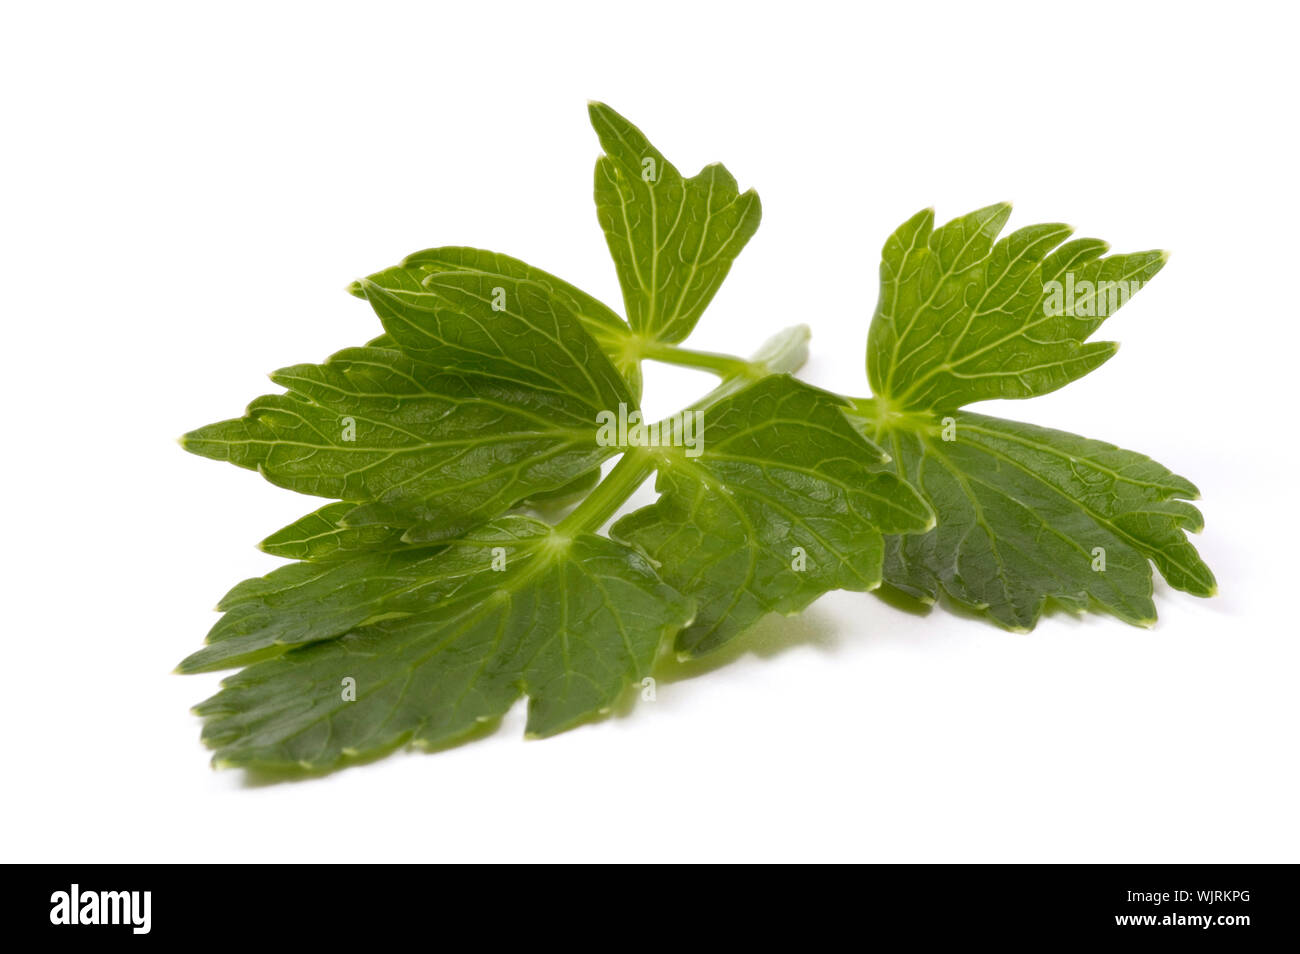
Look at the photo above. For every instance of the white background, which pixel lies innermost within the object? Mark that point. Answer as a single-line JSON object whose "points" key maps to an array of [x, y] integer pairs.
{"points": [[187, 188]]}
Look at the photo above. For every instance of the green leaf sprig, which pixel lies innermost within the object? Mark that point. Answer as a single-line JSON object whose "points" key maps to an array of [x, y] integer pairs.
{"points": [[1027, 515], [430, 594]]}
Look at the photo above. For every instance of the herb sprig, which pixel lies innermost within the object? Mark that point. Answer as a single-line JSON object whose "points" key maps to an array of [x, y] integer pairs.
{"points": [[429, 595]]}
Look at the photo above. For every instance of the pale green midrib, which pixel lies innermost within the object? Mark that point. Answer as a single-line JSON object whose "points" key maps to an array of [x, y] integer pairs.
{"points": [[394, 451], [390, 452], [322, 570], [1082, 353], [513, 469], [1173, 492], [453, 400], [423, 442], [568, 438], [309, 537], [305, 540], [980, 519], [577, 435], [1139, 545], [343, 364], [652, 308], [546, 455]]}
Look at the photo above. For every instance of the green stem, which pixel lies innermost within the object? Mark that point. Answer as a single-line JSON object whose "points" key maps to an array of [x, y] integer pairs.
{"points": [[610, 494], [783, 353], [723, 365]]}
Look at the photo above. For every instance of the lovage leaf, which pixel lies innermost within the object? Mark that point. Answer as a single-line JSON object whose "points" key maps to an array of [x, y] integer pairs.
{"points": [[513, 608], [782, 502], [420, 609], [483, 408], [673, 239], [962, 319], [609, 330], [1027, 516]]}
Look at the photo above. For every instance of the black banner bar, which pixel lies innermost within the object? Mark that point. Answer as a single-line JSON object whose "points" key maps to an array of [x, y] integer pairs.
{"points": [[1222, 905]]}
